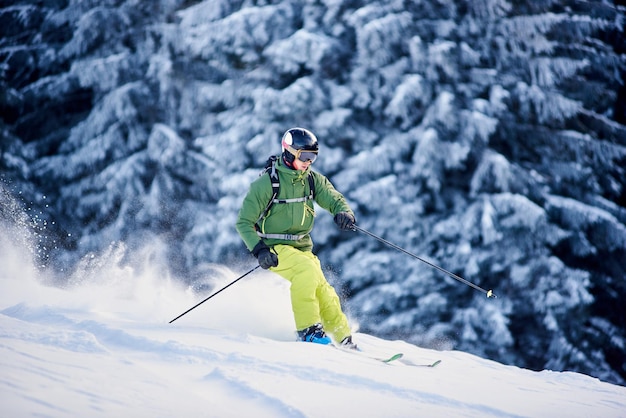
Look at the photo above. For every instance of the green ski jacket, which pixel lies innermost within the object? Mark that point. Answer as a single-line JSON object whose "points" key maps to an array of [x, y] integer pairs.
{"points": [[293, 218]]}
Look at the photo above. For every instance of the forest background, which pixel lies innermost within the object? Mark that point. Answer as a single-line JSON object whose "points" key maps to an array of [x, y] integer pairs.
{"points": [[488, 136]]}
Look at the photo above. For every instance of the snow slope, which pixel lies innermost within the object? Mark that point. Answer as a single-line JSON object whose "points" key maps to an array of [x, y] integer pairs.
{"points": [[104, 348]]}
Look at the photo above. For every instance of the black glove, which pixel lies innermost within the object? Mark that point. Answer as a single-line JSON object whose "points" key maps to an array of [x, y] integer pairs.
{"points": [[345, 220], [266, 258]]}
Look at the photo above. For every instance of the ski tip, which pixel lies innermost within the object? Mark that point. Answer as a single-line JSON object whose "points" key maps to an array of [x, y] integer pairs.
{"points": [[394, 357], [435, 363]]}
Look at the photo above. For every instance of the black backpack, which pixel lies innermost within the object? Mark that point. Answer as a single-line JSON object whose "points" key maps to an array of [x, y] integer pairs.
{"points": [[270, 168]]}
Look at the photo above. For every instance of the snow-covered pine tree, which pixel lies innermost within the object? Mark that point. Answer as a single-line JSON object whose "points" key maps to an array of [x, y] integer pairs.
{"points": [[484, 135]]}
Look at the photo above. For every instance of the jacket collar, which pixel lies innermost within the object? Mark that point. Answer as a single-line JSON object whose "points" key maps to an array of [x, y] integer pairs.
{"points": [[295, 175]]}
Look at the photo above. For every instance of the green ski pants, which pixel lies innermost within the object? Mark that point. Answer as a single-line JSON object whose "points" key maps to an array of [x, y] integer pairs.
{"points": [[313, 299]]}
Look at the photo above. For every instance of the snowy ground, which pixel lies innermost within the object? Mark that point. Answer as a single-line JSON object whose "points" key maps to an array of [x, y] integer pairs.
{"points": [[104, 348]]}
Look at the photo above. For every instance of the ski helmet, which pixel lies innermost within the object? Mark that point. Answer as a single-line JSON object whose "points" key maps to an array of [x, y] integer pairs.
{"points": [[299, 143]]}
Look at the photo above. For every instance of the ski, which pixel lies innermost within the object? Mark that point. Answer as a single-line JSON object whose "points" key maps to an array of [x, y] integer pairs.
{"points": [[410, 363], [360, 352], [396, 356], [399, 358]]}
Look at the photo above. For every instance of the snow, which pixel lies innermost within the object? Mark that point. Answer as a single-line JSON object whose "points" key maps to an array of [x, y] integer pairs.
{"points": [[104, 347]]}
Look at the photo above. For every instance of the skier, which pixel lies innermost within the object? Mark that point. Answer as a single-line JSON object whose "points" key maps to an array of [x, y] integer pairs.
{"points": [[276, 228]]}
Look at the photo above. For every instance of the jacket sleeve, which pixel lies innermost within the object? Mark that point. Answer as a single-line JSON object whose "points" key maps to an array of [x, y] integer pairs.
{"points": [[328, 197], [252, 207]]}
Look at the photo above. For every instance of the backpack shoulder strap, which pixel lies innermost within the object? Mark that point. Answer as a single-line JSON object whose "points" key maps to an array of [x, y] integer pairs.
{"points": [[270, 168]]}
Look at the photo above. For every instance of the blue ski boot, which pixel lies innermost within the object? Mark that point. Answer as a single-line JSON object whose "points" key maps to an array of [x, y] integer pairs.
{"points": [[314, 334]]}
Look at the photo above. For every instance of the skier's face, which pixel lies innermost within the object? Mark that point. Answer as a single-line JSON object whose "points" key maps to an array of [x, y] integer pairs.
{"points": [[301, 165]]}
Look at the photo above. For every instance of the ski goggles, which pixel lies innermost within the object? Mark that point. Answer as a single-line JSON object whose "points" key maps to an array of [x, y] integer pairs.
{"points": [[303, 155]]}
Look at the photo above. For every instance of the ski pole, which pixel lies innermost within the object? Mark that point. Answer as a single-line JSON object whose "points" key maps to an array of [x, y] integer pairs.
{"points": [[223, 288], [489, 293]]}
